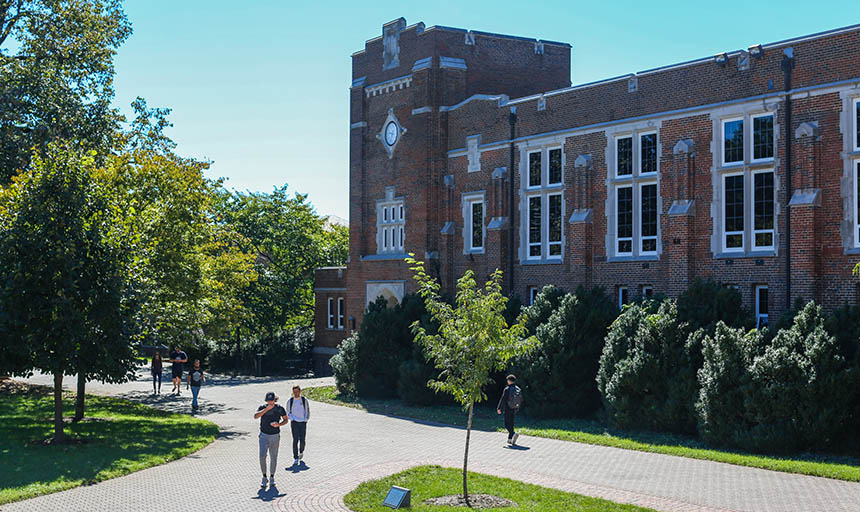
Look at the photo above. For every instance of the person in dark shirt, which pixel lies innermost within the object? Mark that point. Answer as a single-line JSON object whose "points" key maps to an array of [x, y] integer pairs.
{"points": [[195, 380], [272, 417], [155, 369], [509, 403], [178, 358]]}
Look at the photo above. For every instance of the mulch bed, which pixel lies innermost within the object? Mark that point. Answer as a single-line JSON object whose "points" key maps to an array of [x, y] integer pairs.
{"points": [[476, 500]]}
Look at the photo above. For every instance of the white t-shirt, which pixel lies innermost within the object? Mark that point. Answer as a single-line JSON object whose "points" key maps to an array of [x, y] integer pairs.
{"points": [[298, 411]]}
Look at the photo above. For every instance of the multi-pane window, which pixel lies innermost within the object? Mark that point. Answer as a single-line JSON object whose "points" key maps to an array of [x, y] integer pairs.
{"points": [[624, 156], [535, 227], [857, 124], [761, 306], [762, 137], [648, 218], [635, 196], [554, 172], [624, 222], [544, 204], [763, 209], [533, 293], [535, 169], [733, 141], [648, 153], [390, 227], [340, 312], [623, 296], [473, 222], [857, 203], [331, 313], [733, 220]]}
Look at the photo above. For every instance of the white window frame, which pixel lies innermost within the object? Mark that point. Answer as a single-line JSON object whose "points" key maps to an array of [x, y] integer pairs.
{"points": [[743, 231], [751, 143], [528, 176], [469, 200], [340, 313], [752, 228], [855, 123], [855, 171], [330, 313], [637, 161], [544, 192], [533, 293], [390, 225], [759, 316], [744, 144], [621, 291], [633, 158], [561, 173], [632, 236], [638, 228]]}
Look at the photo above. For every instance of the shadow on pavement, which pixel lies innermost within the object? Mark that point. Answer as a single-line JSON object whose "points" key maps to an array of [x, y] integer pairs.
{"points": [[230, 435], [176, 403], [269, 494], [517, 447], [298, 468]]}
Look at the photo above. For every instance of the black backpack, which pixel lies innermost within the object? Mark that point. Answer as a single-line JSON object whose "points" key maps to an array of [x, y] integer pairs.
{"points": [[515, 397]]}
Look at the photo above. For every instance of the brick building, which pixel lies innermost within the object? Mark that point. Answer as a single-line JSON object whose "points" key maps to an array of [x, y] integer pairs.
{"points": [[743, 167]]}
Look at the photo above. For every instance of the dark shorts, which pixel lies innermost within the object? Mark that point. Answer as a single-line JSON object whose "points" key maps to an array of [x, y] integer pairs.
{"points": [[177, 372]]}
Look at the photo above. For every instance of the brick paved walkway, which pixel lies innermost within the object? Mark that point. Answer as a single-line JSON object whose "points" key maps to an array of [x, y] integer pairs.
{"points": [[347, 446]]}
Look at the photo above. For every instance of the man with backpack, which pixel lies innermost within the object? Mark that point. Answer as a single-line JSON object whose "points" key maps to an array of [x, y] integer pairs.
{"points": [[299, 413], [510, 403]]}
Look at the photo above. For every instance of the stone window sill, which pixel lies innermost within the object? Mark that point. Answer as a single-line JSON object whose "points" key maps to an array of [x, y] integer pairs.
{"points": [[619, 259], [741, 254]]}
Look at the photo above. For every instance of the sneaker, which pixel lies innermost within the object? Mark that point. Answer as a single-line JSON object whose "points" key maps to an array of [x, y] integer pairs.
{"points": [[265, 482], [514, 439], [508, 442], [296, 462], [301, 454], [271, 481]]}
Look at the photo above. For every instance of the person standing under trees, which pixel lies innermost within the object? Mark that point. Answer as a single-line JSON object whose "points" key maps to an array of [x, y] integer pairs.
{"points": [[272, 417], [195, 380], [155, 369], [300, 413], [510, 402], [178, 358]]}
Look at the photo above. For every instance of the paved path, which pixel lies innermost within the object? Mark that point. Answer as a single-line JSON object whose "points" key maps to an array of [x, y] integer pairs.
{"points": [[347, 446]]}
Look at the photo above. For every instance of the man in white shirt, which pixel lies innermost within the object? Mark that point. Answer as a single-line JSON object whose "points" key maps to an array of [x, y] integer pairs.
{"points": [[299, 412]]}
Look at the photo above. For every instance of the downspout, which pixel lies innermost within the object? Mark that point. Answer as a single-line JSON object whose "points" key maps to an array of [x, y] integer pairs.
{"points": [[787, 66], [512, 119]]}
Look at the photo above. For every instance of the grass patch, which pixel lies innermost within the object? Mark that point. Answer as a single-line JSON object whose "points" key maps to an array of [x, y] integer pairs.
{"points": [[116, 438], [434, 481], [595, 432]]}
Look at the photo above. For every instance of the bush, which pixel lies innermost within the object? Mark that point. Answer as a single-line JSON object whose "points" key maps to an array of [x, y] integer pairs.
{"points": [[295, 343], [647, 374], [385, 341], [705, 303], [344, 365], [559, 377], [723, 378], [795, 392]]}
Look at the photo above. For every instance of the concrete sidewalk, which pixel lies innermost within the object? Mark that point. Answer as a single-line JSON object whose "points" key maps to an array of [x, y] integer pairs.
{"points": [[347, 446]]}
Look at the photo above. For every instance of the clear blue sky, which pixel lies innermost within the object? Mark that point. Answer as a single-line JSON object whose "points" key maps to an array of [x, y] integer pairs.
{"points": [[261, 86]]}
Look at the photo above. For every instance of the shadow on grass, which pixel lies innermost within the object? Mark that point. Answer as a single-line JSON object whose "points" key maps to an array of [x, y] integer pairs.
{"points": [[120, 437]]}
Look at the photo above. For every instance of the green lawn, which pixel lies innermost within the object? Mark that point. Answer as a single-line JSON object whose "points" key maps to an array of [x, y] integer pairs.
{"points": [[594, 432], [117, 437], [434, 481]]}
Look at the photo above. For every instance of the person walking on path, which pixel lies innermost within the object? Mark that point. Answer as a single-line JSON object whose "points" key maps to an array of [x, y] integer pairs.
{"points": [[272, 417], [195, 380], [509, 403], [155, 369], [300, 413], [178, 358]]}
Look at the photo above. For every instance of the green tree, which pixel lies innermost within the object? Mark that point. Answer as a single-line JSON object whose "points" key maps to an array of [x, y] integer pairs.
{"points": [[65, 300], [56, 75], [472, 341]]}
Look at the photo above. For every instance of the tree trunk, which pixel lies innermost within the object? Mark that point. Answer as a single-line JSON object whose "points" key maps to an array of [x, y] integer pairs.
{"points": [[236, 357], [59, 436], [466, 455], [80, 397]]}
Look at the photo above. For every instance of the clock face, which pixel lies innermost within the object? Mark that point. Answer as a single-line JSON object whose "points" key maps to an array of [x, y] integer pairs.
{"points": [[391, 133]]}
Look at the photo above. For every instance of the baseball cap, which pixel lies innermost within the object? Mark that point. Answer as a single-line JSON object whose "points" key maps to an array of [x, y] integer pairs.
{"points": [[271, 396]]}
